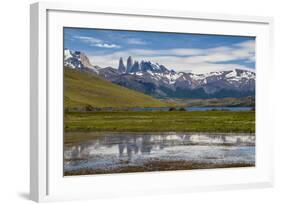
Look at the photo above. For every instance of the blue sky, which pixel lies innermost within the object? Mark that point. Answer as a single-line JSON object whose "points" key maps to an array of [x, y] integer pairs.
{"points": [[182, 52]]}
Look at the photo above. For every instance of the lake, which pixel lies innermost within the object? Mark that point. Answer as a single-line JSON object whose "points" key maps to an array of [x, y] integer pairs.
{"points": [[138, 152]]}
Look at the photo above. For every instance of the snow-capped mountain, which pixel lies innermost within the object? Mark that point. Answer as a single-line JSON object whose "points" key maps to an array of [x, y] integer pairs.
{"points": [[78, 60], [157, 80]]}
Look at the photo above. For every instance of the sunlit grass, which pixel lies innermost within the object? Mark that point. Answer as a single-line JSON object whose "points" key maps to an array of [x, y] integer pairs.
{"points": [[161, 121]]}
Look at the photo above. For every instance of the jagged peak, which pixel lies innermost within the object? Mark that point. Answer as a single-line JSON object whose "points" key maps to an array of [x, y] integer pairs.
{"points": [[78, 60], [121, 66]]}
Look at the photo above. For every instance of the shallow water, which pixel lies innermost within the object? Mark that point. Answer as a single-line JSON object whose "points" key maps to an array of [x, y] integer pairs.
{"points": [[111, 151]]}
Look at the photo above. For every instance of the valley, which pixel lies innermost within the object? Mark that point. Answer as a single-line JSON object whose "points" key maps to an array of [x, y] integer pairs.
{"points": [[141, 101]]}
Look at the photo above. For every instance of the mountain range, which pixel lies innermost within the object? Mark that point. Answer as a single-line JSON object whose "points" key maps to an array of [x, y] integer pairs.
{"points": [[161, 82]]}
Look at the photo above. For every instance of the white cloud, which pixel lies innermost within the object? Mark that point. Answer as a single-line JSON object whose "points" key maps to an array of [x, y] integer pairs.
{"points": [[185, 59], [136, 41], [87, 39], [247, 44], [105, 45], [96, 42]]}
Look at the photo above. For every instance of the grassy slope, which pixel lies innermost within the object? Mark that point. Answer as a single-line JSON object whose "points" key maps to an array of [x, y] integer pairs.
{"points": [[160, 121], [84, 89]]}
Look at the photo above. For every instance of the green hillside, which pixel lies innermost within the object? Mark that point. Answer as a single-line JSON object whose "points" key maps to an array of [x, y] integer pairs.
{"points": [[85, 91]]}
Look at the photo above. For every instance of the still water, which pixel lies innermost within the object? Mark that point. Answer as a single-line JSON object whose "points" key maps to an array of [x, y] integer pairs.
{"points": [[114, 152]]}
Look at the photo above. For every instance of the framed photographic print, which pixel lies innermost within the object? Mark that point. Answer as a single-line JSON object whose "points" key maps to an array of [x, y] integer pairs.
{"points": [[149, 101]]}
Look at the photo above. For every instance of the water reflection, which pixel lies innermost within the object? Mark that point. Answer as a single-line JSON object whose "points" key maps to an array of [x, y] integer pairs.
{"points": [[123, 149]]}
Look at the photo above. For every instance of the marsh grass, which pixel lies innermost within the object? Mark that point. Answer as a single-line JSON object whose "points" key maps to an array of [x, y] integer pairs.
{"points": [[161, 121]]}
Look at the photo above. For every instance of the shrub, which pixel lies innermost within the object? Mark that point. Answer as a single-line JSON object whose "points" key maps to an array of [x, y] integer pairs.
{"points": [[89, 108], [172, 109], [182, 109]]}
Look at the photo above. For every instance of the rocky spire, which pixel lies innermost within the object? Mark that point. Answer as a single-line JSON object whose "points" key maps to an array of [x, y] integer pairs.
{"points": [[135, 67], [121, 67], [129, 64]]}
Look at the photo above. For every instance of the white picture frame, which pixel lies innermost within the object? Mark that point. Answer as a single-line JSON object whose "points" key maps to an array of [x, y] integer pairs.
{"points": [[46, 178]]}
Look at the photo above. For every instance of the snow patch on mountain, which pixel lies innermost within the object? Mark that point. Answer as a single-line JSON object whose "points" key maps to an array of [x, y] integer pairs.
{"points": [[78, 60], [67, 54], [233, 73]]}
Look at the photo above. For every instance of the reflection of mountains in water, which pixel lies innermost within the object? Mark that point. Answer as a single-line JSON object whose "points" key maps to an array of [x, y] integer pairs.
{"points": [[132, 144]]}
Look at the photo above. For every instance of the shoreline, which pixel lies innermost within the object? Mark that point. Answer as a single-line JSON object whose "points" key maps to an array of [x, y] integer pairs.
{"points": [[155, 166], [92, 135]]}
